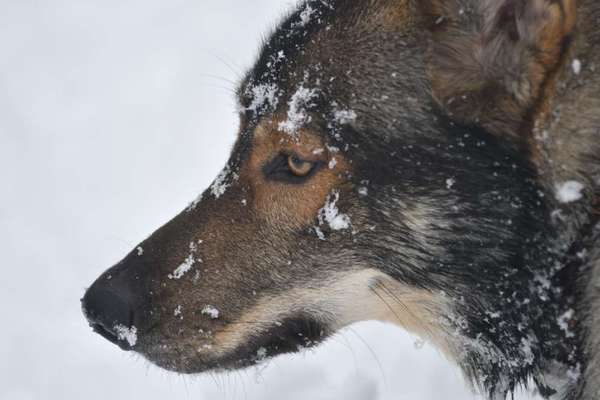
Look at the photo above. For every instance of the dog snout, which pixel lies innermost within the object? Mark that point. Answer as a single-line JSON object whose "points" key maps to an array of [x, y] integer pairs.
{"points": [[110, 306]]}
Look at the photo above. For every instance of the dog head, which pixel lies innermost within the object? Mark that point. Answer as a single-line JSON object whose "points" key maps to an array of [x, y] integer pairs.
{"points": [[379, 173]]}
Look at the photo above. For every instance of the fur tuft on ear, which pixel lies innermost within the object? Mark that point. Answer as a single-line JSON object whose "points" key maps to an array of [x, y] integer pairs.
{"points": [[490, 59]]}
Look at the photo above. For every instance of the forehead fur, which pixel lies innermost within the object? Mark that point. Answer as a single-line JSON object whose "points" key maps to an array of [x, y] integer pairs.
{"points": [[359, 59]]}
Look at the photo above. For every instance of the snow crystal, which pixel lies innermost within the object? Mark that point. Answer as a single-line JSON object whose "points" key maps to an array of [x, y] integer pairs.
{"points": [[332, 163], [211, 311], [177, 311], [527, 350], [319, 233], [140, 251], [563, 323], [196, 277], [264, 95], [220, 185], [183, 267], [297, 115], [582, 255], [570, 191], [330, 214], [494, 315], [450, 182], [261, 354], [344, 117], [576, 65], [574, 373], [194, 203], [306, 15], [127, 334]]}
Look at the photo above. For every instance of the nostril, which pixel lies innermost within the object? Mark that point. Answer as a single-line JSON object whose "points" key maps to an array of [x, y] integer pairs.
{"points": [[110, 314]]}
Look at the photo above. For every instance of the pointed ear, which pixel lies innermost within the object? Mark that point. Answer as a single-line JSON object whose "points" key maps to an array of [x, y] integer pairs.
{"points": [[491, 59]]}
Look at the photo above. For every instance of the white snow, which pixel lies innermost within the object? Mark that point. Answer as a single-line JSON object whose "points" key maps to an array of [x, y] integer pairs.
{"points": [[344, 117], [263, 95], [306, 15], [127, 334], [450, 182], [187, 264], [573, 374], [261, 353], [211, 311], [140, 251], [569, 191], [563, 323], [576, 65], [193, 204], [147, 98], [526, 350], [220, 185], [331, 215], [183, 267], [332, 163], [177, 311], [319, 233], [297, 114]]}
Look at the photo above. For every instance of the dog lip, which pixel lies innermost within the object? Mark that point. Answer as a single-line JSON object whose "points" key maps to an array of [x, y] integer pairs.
{"points": [[292, 333], [288, 336], [110, 336]]}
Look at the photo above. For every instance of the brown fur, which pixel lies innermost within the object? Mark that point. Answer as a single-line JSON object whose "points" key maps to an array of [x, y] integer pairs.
{"points": [[492, 74], [280, 204], [418, 248]]}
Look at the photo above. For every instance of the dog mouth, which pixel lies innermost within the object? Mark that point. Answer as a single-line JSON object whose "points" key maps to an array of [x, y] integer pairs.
{"points": [[112, 336], [290, 335]]}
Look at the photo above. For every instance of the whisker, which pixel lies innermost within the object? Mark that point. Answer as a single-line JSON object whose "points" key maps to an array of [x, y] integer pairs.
{"points": [[239, 373], [227, 89], [373, 354], [217, 77], [346, 343], [406, 308], [237, 71], [387, 304]]}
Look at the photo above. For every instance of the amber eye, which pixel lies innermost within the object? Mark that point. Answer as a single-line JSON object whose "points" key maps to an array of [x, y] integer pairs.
{"points": [[298, 166], [290, 168]]}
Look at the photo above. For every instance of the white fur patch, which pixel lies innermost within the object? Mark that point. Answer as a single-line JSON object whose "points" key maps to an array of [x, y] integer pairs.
{"points": [[349, 297]]}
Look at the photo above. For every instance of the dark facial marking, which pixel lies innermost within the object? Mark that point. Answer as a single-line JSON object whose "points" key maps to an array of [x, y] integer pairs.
{"points": [[290, 168]]}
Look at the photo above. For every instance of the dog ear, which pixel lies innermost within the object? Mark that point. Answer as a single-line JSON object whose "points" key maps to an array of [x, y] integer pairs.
{"points": [[490, 60]]}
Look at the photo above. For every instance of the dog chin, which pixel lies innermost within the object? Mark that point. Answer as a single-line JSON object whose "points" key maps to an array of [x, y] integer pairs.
{"points": [[290, 336]]}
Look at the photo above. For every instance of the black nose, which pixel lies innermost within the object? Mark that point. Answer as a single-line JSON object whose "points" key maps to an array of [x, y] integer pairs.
{"points": [[108, 308]]}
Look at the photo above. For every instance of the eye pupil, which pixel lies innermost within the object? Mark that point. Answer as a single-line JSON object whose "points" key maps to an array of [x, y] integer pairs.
{"points": [[298, 166]]}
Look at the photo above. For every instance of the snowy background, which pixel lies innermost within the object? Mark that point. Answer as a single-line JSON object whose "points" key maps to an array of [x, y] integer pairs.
{"points": [[113, 116]]}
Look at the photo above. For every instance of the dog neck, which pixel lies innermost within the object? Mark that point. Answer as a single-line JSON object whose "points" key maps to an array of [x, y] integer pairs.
{"points": [[567, 149]]}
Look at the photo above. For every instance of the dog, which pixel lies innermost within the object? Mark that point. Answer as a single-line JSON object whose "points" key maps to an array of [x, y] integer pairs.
{"points": [[429, 163]]}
